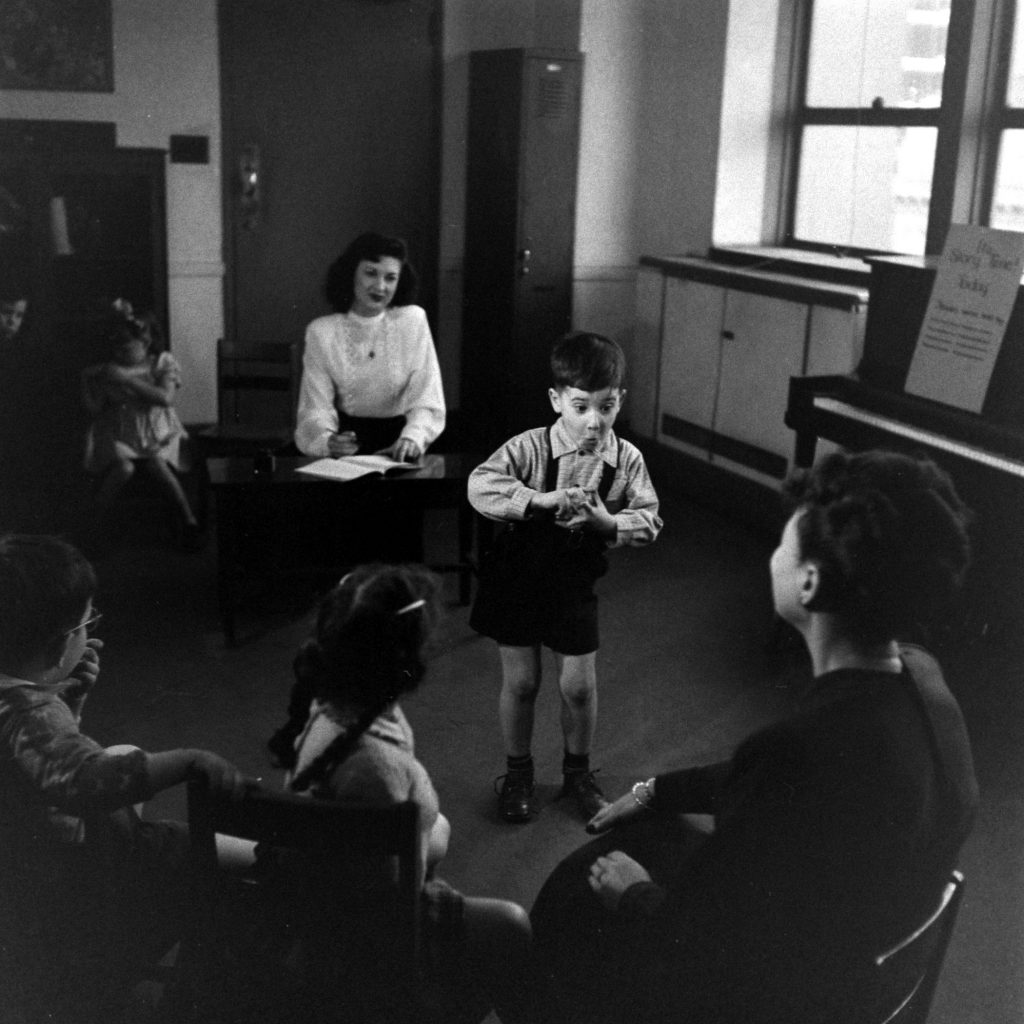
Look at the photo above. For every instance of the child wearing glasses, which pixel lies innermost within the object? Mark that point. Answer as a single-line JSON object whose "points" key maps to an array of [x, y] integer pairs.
{"points": [[93, 892]]}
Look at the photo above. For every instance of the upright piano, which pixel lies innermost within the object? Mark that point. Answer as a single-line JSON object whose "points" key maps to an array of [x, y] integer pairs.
{"points": [[984, 451]]}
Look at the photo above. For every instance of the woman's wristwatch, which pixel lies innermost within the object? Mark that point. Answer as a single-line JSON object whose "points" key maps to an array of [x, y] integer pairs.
{"points": [[643, 793]]}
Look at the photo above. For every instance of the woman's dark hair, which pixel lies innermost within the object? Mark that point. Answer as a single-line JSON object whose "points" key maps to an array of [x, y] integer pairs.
{"points": [[889, 535], [368, 649], [338, 287], [590, 362], [45, 585]]}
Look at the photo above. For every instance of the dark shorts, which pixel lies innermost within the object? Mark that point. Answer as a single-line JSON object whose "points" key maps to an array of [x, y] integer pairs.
{"points": [[537, 587]]}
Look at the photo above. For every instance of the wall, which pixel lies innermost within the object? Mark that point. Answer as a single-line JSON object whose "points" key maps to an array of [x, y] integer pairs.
{"points": [[608, 197], [746, 123], [166, 82]]}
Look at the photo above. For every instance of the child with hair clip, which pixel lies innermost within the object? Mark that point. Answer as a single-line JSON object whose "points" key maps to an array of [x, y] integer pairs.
{"points": [[131, 399], [348, 740]]}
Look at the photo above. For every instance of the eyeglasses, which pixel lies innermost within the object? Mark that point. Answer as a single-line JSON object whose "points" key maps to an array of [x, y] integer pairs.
{"points": [[92, 621]]}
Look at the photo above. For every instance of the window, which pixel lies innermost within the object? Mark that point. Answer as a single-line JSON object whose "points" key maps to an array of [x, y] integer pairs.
{"points": [[892, 137]]}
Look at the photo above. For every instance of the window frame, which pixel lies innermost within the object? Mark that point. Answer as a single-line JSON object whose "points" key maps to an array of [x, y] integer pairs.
{"points": [[969, 122]]}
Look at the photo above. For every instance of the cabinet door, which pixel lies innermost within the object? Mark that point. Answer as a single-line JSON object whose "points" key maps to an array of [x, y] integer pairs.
{"points": [[762, 347], [689, 364]]}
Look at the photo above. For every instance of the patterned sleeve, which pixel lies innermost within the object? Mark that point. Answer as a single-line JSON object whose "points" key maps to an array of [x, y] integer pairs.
{"points": [[638, 521], [65, 769], [500, 488]]}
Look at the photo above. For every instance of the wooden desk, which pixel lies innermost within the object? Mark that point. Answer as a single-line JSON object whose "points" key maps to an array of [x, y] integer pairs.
{"points": [[238, 491]]}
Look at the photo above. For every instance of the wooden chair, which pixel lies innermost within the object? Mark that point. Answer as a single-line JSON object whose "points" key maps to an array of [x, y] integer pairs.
{"points": [[919, 956], [308, 936], [257, 395]]}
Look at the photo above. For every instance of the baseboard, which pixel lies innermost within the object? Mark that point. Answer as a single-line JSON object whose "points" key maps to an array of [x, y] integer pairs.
{"points": [[737, 498]]}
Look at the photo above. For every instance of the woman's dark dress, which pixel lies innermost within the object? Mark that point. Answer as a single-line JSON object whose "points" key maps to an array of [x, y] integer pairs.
{"points": [[835, 832]]}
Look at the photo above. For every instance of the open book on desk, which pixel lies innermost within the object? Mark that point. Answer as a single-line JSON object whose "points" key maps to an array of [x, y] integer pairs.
{"points": [[351, 467]]}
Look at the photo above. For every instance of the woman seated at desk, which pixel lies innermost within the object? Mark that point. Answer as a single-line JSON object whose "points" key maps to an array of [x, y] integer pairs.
{"points": [[370, 376]]}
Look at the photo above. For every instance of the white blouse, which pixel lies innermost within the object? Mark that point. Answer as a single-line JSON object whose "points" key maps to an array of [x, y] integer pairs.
{"points": [[381, 366]]}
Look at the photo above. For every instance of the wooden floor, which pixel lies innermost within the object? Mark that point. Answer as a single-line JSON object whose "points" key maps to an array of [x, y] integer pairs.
{"points": [[682, 677]]}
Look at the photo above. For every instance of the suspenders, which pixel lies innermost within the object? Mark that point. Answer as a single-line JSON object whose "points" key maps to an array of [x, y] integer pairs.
{"points": [[607, 473]]}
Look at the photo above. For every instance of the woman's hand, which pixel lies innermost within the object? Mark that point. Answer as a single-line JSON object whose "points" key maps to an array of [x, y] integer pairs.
{"points": [[404, 450], [612, 875], [618, 812], [345, 443]]}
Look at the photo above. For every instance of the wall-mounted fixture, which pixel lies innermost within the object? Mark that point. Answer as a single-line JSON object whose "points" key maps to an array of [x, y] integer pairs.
{"points": [[251, 184]]}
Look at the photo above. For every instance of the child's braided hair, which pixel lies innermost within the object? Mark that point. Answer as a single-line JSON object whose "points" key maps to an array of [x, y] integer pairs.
{"points": [[368, 649]]}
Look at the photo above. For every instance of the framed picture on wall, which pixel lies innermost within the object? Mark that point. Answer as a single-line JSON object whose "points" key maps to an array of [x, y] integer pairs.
{"points": [[56, 45]]}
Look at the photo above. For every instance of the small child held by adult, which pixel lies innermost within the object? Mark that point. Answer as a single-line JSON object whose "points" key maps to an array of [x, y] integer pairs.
{"points": [[567, 493], [131, 400], [349, 740], [92, 893]]}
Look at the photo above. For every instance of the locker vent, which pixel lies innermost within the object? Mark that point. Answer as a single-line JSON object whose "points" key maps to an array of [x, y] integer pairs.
{"points": [[553, 98]]}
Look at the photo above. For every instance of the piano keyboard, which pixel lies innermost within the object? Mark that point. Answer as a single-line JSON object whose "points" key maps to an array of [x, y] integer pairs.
{"points": [[924, 437]]}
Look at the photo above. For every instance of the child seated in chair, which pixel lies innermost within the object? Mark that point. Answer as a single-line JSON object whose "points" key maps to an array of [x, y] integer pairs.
{"points": [[349, 740], [91, 893]]}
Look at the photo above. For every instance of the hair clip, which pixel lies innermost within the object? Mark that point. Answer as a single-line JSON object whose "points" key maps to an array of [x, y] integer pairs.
{"points": [[412, 606]]}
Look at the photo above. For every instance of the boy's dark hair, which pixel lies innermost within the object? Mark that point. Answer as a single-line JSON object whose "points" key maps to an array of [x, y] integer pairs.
{"points": [[45, 585], [338, 287], [590, 362], [889, 535]]}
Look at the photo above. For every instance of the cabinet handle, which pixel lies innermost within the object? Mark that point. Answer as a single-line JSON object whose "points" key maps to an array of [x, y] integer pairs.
{"points": [[728, 336]]}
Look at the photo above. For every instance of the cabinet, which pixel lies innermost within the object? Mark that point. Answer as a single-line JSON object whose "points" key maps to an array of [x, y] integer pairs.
{"points": [[82, 223], [729, 342], [522, 154]]}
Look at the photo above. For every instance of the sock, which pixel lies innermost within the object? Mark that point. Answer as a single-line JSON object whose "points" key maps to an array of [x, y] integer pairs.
{"points": [[572, 763], [520, 764]]}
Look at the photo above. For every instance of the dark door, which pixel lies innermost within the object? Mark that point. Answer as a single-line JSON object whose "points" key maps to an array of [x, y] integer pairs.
{"points": [[338, 102], [520, 223]]}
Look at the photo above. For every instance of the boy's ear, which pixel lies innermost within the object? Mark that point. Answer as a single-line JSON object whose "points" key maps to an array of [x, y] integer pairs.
{"points": [[556, 399], [810, 589]]}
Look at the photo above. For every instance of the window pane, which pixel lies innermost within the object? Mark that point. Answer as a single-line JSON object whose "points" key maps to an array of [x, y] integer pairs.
{"points": [[865, 187], [866, 49], [1008, 199], [1015, 91]]}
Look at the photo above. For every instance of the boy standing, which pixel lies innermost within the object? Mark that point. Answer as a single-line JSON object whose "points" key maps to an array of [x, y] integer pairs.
{"points": [[566, 493]]}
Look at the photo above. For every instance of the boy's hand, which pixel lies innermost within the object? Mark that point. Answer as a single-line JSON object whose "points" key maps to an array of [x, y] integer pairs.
{"points": [[591, 514], [547, 501], [83, 676]]}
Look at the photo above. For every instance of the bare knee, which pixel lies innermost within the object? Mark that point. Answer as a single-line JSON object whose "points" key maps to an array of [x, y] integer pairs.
{"points": [[520, 673], [500, 927], [577, 683]]}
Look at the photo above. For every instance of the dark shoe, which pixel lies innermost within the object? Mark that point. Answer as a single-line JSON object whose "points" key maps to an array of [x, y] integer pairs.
{"points": [[515, 795], [585, 791]]}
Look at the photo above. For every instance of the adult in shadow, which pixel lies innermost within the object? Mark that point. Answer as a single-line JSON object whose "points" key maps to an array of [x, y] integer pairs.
{"points": [[835, 830]]}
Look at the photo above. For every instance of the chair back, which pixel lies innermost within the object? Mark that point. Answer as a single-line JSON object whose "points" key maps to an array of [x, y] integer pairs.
{"points": [[257, 383], [307, 924], [916, 961]]}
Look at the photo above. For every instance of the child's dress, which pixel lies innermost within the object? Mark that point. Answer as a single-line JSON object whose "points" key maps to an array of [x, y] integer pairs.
{"points": [[127, 427]]}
